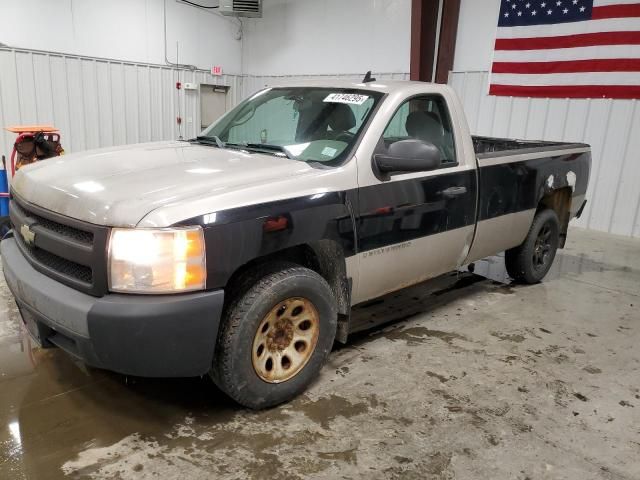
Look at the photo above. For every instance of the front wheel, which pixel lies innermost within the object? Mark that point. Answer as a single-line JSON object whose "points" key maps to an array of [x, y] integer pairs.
{"points": [[531, 261], [275, 337]]}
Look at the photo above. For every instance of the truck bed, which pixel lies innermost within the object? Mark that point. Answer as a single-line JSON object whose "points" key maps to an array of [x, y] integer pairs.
{"points": [[488, 147]]}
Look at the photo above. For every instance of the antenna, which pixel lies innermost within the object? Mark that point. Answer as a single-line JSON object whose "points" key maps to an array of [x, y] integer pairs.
{"points": [[368, 78]]}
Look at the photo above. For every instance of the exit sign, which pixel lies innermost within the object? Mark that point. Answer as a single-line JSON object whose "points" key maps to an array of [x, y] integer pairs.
{"points": [[217, 70]]}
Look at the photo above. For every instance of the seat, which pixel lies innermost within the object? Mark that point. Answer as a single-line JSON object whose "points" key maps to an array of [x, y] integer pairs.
{"points": [[425, 126], [341, 120]]}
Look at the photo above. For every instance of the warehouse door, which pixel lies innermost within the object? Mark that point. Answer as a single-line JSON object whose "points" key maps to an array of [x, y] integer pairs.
{"points": [[213, 104]]}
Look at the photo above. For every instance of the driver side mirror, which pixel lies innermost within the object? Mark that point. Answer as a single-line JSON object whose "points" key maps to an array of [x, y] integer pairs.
{"points": [[408, 156]]}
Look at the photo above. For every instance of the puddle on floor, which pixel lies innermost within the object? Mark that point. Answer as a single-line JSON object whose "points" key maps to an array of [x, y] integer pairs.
{"points": [[493, 268], [51, 406]]}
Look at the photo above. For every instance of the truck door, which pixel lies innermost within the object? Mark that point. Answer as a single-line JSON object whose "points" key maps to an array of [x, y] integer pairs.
{"points": [[415, 226]]}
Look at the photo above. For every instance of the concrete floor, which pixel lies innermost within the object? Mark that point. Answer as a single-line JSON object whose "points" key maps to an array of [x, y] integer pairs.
{"points": [[489, 381]]}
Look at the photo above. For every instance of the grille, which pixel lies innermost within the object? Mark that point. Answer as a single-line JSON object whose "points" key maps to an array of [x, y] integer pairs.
{"points": [[59, 264], [68, 250], [64, 230]]}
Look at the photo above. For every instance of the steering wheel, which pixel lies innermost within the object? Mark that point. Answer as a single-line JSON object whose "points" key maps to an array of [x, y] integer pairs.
{"points": [[345, 137]]}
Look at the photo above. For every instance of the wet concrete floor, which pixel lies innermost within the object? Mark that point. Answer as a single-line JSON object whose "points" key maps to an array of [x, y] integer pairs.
{"points": [[491, 381]]}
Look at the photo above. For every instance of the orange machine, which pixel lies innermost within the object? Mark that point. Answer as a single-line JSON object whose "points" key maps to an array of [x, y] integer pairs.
{"points": [[34, 142]]}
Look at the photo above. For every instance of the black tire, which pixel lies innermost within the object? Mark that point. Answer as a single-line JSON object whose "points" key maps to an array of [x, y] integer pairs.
{"points": [[531, 261], [233, 369]]}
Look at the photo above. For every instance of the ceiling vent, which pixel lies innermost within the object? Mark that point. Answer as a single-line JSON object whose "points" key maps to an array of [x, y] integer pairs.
{"points": [[241, 8]]}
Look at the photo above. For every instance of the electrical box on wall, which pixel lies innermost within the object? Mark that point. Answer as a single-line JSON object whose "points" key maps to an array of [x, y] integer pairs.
{"points": [[241, 8], [190, 86]]}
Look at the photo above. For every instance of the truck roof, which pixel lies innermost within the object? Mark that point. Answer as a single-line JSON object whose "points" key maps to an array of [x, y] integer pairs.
{"points": [[385, 86]]}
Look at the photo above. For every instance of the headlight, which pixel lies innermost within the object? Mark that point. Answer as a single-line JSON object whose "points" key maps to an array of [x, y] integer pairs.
{"points": [[157, 261]]}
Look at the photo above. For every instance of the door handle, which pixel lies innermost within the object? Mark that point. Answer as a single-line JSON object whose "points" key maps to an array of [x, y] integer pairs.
{"points": [[453, 192]]}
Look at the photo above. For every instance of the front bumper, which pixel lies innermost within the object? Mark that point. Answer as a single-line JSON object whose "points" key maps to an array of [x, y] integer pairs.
{"points": [[142, 335]]}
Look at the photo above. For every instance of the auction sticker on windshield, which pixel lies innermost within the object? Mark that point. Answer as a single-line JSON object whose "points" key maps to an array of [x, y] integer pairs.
{"points": [[350, 98]]}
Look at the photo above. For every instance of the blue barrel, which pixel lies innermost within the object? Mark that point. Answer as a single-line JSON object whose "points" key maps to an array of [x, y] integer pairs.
{"points": [[4, 194]]}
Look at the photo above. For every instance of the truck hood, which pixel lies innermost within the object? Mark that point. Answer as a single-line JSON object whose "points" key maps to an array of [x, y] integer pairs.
{"points": [[120, 186]]}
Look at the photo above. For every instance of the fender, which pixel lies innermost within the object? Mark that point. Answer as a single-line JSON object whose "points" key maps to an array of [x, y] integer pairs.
{"points": [[238, 236], [513, 186]]}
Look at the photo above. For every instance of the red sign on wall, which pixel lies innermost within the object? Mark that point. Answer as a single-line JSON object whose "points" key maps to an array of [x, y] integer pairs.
{"points": [[217, 70]]}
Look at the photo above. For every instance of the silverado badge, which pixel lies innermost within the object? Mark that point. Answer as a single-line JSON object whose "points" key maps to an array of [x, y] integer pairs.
{"points": [[27, 234]]}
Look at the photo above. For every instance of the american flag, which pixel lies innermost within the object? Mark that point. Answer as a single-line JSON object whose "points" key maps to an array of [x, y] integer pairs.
{"points": [[567, 49]]}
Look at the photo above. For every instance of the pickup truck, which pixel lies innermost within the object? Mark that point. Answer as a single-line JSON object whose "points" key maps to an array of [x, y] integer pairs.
{"points": [[240, 253]]}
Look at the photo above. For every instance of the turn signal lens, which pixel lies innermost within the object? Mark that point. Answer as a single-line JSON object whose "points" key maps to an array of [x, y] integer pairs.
{"points": [[157, 260]]}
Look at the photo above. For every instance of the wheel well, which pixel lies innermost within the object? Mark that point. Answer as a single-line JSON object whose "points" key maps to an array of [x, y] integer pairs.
{"points": [[560, 202], [324, 257]]}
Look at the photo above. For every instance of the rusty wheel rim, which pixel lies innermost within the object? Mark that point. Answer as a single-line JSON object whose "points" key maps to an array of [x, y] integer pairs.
{"points": [[285, 340]]}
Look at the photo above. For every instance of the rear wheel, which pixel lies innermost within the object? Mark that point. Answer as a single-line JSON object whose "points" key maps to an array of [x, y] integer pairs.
{"points": [[275, 337], [531, 261]]}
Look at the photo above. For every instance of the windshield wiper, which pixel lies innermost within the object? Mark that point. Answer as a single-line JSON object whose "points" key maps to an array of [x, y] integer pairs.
{"points": [[211, 140], [274, 148], [215, 140]]}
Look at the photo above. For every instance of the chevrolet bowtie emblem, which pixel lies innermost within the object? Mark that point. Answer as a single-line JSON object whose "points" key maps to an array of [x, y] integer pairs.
{"points": [[27, 234]]}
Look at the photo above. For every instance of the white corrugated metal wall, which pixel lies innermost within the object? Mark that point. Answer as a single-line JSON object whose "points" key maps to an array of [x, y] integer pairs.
{"points": [[611, 127], [100, 102]]}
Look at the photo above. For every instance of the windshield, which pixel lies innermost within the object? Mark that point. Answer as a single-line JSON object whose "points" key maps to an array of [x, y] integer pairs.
{"points": [[310, 124]]}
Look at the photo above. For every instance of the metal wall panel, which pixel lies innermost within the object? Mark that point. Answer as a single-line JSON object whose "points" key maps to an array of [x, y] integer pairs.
{"points": [[610, 126], [99, 102]]}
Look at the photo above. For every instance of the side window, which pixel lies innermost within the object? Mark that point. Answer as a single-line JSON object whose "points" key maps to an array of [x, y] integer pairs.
{"points": [[424, 118]]}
